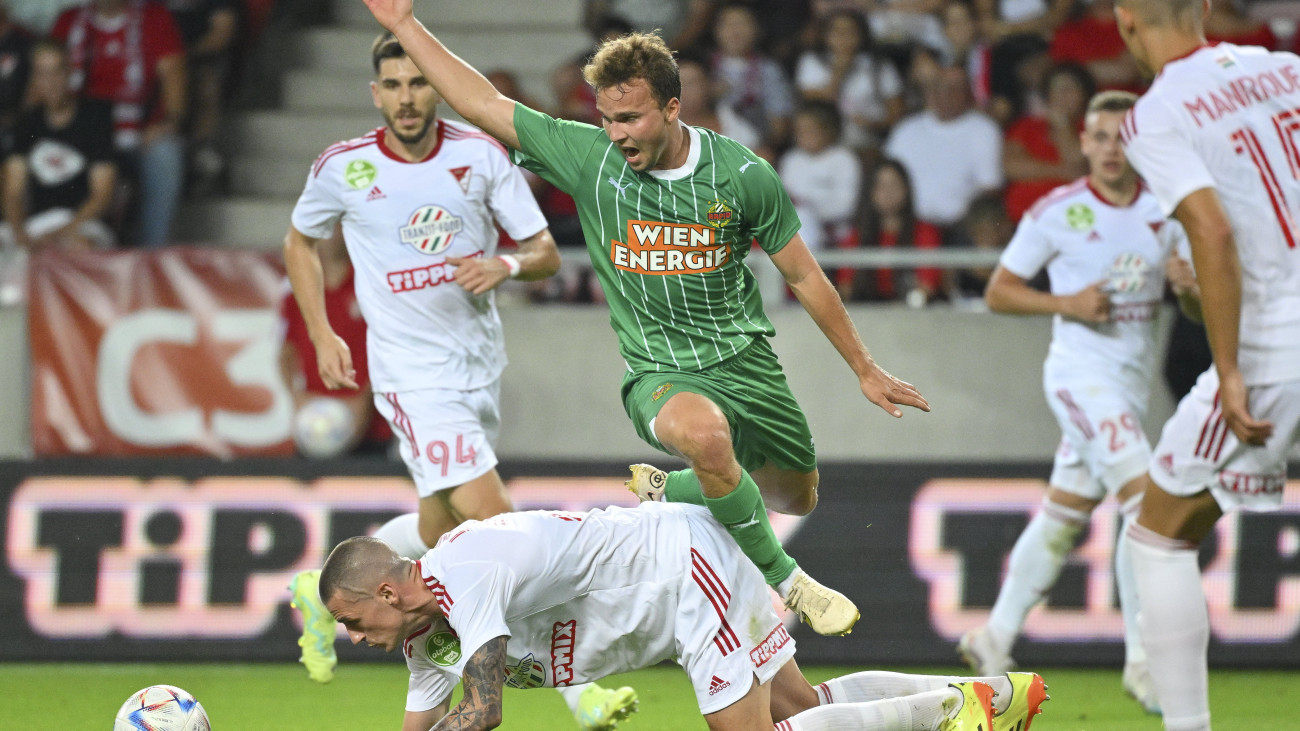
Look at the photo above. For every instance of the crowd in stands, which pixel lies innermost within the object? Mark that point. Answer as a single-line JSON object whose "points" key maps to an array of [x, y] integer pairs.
{"points": [[895, 123], [108, 114]]}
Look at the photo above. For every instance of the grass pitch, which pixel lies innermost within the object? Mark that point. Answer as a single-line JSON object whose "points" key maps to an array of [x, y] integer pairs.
{"points": [[249, 697]]}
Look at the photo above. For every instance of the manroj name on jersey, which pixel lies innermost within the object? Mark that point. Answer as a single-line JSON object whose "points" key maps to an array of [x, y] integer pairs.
{"points": [[654, 247]]}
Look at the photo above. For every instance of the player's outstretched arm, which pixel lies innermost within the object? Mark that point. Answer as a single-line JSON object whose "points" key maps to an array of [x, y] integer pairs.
{"points": [[536, 258], [485, 675], [464, 88], [333, 357], [1218, 271], [818, 297], [1010, 294]]}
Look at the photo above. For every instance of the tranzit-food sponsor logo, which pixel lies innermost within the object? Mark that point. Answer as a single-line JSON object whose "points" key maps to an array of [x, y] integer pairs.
{"points": [[669, 248], [431, 229], [1251, 572]]}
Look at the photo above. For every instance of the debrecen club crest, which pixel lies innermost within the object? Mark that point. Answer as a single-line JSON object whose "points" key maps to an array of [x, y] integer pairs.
{"points": [[431, 229]]}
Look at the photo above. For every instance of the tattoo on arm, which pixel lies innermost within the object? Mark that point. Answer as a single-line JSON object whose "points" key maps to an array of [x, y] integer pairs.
{"points": [[485, 674]]}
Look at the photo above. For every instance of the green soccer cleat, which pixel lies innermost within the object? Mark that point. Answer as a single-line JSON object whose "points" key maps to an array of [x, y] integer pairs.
{"points": [[824, 610], [318, 627], [976, 712], [600, 709], [1028, 692], [647, 482]]}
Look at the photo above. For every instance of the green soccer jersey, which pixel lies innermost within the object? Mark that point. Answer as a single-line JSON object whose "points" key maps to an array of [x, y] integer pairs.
{"points": [[668, 246]]}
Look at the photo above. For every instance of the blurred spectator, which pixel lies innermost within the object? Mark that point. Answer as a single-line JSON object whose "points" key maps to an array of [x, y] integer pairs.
{"points": [[700, 108], [681, 23], [985, 227], [59, 175], [967, 48], [129, 53], [821, 175], [1042, 151], [887, 219], [750, 82], [1017, 66], [1227, 24], [951, 152], [298, 365], [207, 29], [1093, 40], [15, 66], [574, 97], [922, 70], [1007, 18], [843, 67]]}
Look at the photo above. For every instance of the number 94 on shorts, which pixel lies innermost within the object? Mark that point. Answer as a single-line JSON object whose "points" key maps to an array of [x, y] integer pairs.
{"points": [[447, 437]]}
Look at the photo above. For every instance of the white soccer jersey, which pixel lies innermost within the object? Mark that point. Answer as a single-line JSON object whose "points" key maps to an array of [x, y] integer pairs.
{"points": [[1082, 239], [580, 595], [401, 220], [1227, 117]]}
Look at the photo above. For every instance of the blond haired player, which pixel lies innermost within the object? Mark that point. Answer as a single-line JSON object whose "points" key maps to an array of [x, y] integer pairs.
{"points": [[1216, 139], [615, 590], [1106, 246], [420, 200], [669, 212]]}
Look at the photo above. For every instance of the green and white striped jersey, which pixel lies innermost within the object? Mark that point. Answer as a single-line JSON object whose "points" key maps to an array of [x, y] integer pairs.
{"points": [[668, 246]]}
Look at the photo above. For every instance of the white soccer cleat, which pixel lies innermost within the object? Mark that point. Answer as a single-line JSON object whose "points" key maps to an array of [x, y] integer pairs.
{"points": [[1138, 683], [647, 482], [976, 648], [825, 610]]}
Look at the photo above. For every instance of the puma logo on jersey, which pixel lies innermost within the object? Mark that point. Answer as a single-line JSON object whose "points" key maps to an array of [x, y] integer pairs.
{"points": [[654, 247], [622, 189], [753, 520], [747, 164]]}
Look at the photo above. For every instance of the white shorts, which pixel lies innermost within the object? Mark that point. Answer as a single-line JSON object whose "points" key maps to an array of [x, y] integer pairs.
{"points": [[1103, 447], [1198, 451], [727, 631], [448, 437]]}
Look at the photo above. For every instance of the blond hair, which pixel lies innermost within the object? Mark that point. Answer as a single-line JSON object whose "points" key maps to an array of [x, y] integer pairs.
{"points": [[645, 56]]}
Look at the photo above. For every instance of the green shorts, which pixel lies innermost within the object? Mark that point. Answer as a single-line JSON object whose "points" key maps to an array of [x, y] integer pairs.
{"points": [[750, 389]]}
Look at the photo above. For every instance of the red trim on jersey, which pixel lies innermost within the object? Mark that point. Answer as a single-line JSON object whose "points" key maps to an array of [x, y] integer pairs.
{"points": [[406, 643], [1128, 126], [339, 148], [707, 579], [1214, 417], [440, 595], [1065, 190], [381, 137], [1137, 193], [455, 133], [1077, 414]]}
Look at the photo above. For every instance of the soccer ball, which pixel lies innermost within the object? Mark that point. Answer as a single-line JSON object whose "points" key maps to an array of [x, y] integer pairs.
{"points": [[161, 708], [323, 427]]}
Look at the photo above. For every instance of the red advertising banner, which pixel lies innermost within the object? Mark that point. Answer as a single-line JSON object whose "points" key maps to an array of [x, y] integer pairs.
{"points": [[169, 352]]}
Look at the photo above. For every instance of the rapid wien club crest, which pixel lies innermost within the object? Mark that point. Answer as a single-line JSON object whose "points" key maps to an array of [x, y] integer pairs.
{"points": [[431, 229], [719, 214]]}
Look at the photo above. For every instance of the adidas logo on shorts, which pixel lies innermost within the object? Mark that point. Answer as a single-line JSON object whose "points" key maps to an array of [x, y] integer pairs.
{"points": [[717, 685]]}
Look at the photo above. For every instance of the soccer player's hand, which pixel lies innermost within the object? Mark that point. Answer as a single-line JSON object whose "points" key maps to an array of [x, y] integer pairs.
{"points": [[883, 390], [1236, 412], [334, 362], [1182, 280], [1091, 304], [479, 275], [389, 13]]}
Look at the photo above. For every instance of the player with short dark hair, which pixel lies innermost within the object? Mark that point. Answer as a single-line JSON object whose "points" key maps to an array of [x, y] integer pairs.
{"points": [[669, 212], [616, 590], [1215, 139]]}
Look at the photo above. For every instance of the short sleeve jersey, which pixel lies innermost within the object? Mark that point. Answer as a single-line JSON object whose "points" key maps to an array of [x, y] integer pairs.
{"points": [[668, 246], [401, 220], [1227, 118], [59, 160], [579, 595], [1082, 239]]}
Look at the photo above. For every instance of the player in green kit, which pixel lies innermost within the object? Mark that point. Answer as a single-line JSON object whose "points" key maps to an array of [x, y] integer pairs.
{"points": [[669, 212]]}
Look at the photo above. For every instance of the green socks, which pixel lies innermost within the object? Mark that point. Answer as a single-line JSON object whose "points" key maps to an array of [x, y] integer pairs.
{"points": [[745, 517]]}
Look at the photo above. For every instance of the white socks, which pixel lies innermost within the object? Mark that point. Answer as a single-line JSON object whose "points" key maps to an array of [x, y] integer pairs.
{"points": [[1175, 626], [402, 534], [918, 712], [1033, 568], [1127, 584], [873, 685]]}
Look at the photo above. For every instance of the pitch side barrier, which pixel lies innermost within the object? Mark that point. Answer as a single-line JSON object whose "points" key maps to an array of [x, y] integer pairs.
{"points": [[189, 559]]}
